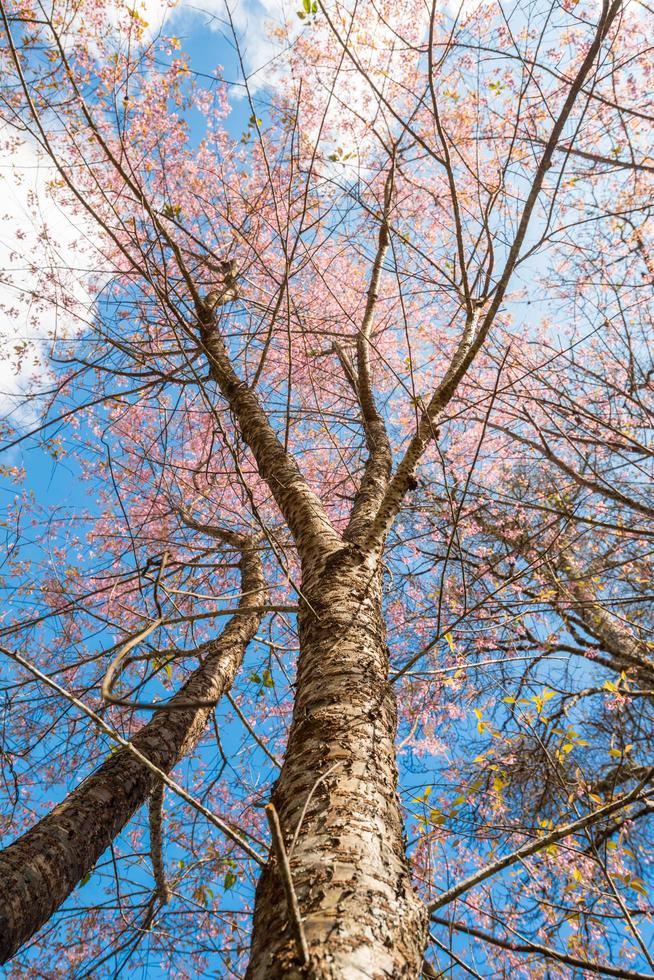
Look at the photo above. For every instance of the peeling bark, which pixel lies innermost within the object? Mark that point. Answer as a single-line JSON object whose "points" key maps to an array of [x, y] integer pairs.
{"points": [[337, 797]]}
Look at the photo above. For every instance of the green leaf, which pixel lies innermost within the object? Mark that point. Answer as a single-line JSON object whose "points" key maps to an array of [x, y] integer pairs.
{"points": [[85, 880], [268, 679], [307, 6], [255, 678], [230, 880]]}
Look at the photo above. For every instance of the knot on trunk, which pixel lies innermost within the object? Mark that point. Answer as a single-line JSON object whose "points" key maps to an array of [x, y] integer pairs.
{"points": [[350, 556]]}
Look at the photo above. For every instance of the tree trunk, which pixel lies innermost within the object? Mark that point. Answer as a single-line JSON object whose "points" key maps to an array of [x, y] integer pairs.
{"points": [[337, 793], [40, 869]]}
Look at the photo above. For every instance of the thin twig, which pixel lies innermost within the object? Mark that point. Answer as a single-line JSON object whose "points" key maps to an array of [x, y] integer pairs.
{"points": [[262, 745], [287, 881]]}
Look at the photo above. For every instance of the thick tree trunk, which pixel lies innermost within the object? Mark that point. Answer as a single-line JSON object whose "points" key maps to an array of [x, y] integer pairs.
{"points": [[337, 794], [40, 870]]}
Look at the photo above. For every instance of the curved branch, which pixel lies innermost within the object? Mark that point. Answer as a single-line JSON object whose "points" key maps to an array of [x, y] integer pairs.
{"points": [[548, 952], [40, 869], [534, 846]]}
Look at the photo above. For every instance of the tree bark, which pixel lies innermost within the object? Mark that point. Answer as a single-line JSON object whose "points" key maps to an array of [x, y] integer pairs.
{"points": [[40, 869], [337, 797]]}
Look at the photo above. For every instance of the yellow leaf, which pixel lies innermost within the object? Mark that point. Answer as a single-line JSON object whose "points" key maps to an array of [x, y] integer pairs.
{"points": [[450, 642]]}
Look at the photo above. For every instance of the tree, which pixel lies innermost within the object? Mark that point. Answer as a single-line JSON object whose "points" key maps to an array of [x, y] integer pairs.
{"points": [[377, 369]]}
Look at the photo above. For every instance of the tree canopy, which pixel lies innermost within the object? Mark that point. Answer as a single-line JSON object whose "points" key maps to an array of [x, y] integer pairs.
{"points": [[327, 644]]}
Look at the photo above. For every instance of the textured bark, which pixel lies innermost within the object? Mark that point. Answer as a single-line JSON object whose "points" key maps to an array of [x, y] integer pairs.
{"points": [[337, 795], [40, 870], [614, 634], [155, 821], [302, 509]]}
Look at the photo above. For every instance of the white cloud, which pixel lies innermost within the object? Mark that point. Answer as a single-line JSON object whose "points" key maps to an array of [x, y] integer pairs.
{"points": [[252, 21], [42, 273], [263, 54]]}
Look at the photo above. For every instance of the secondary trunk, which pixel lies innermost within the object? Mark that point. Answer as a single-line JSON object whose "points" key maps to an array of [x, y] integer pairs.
{"points": [[337, 795], [40, 870]]}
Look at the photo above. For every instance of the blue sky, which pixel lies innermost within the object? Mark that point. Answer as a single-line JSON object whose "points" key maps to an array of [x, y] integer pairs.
{"points": [[57, 484]]}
